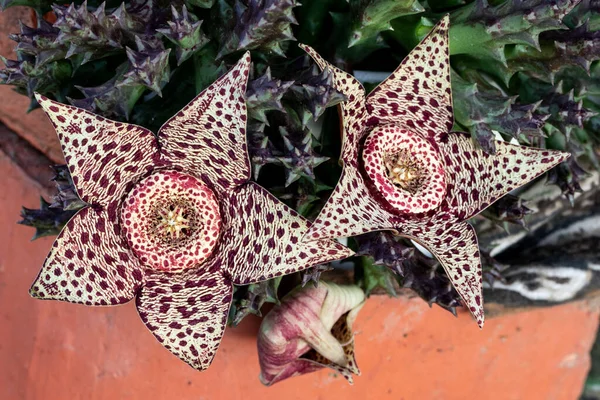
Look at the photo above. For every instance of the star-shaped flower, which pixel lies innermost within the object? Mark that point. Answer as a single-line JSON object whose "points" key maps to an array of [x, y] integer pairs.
{"points": [[412, 175], [173, 219]]}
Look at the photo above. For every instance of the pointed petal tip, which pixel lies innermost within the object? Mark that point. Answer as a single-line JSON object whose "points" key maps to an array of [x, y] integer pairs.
{"points": [[42, 101], [348, 252], [311, 52], [476, 311], [264, 380], [243, 65], [247, 57], [558, 156], [33, 292], [480, 322], [564, 156]]}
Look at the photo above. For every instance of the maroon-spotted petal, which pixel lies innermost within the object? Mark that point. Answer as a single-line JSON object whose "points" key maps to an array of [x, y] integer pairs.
{"points": [[477, 179], [89, 263], [353, 110], [261, 238], [104, 157], [207, 138], [187, 311], [455, 246], [417, 95], [351, 210]]}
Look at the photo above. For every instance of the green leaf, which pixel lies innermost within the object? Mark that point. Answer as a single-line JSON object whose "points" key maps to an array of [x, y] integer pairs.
{"points": [[372, 276], [373, 16], [201, 3], [39, 5], [207, 69], [483, 31]]}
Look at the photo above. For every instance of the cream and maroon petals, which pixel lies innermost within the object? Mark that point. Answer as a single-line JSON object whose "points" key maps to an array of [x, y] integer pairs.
{"points": [[171, 221], [90, 263], [477, 179], [187, 311], [104, 156], [207, 138], [351, 210], [353, 109], [404, 168], [262, 238], [417, 95], [454, 244]]}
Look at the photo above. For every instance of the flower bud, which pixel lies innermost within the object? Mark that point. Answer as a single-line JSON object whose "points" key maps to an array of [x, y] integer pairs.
{"points": [[309, 330]]}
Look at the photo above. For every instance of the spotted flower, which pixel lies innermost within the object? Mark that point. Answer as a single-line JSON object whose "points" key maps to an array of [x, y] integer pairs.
{"points": [[172, 219], [405, 171], [309, 330]]}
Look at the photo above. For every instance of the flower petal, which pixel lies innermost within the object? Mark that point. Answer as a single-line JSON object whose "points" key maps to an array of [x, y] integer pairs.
{"points": [[262, 238], [208, 136], [354, 114], [342, 332], [476, 179], [417, 94], [104, 157], [351, 210], [89, 263], [187, 312], [455, 246], [340, 298]]}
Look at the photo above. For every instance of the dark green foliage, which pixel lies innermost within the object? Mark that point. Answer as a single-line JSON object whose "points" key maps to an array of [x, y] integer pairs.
{"points": [[372, 276], [260, 24], [264, 94], [481, 106], [483, 30], [184, 31], [46, 220], [371, 17], [250, 299], [66, 197], [509, 209], [42, 5], [389, 255]]}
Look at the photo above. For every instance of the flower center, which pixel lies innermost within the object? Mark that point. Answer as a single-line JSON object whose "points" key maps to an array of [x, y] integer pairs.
{"points": [[403, 171], [171, 221], [405, 168]]}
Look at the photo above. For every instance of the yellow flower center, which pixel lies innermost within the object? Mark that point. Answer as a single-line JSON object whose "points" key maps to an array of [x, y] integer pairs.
{"points": [[403, 171], [172, 222]]}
